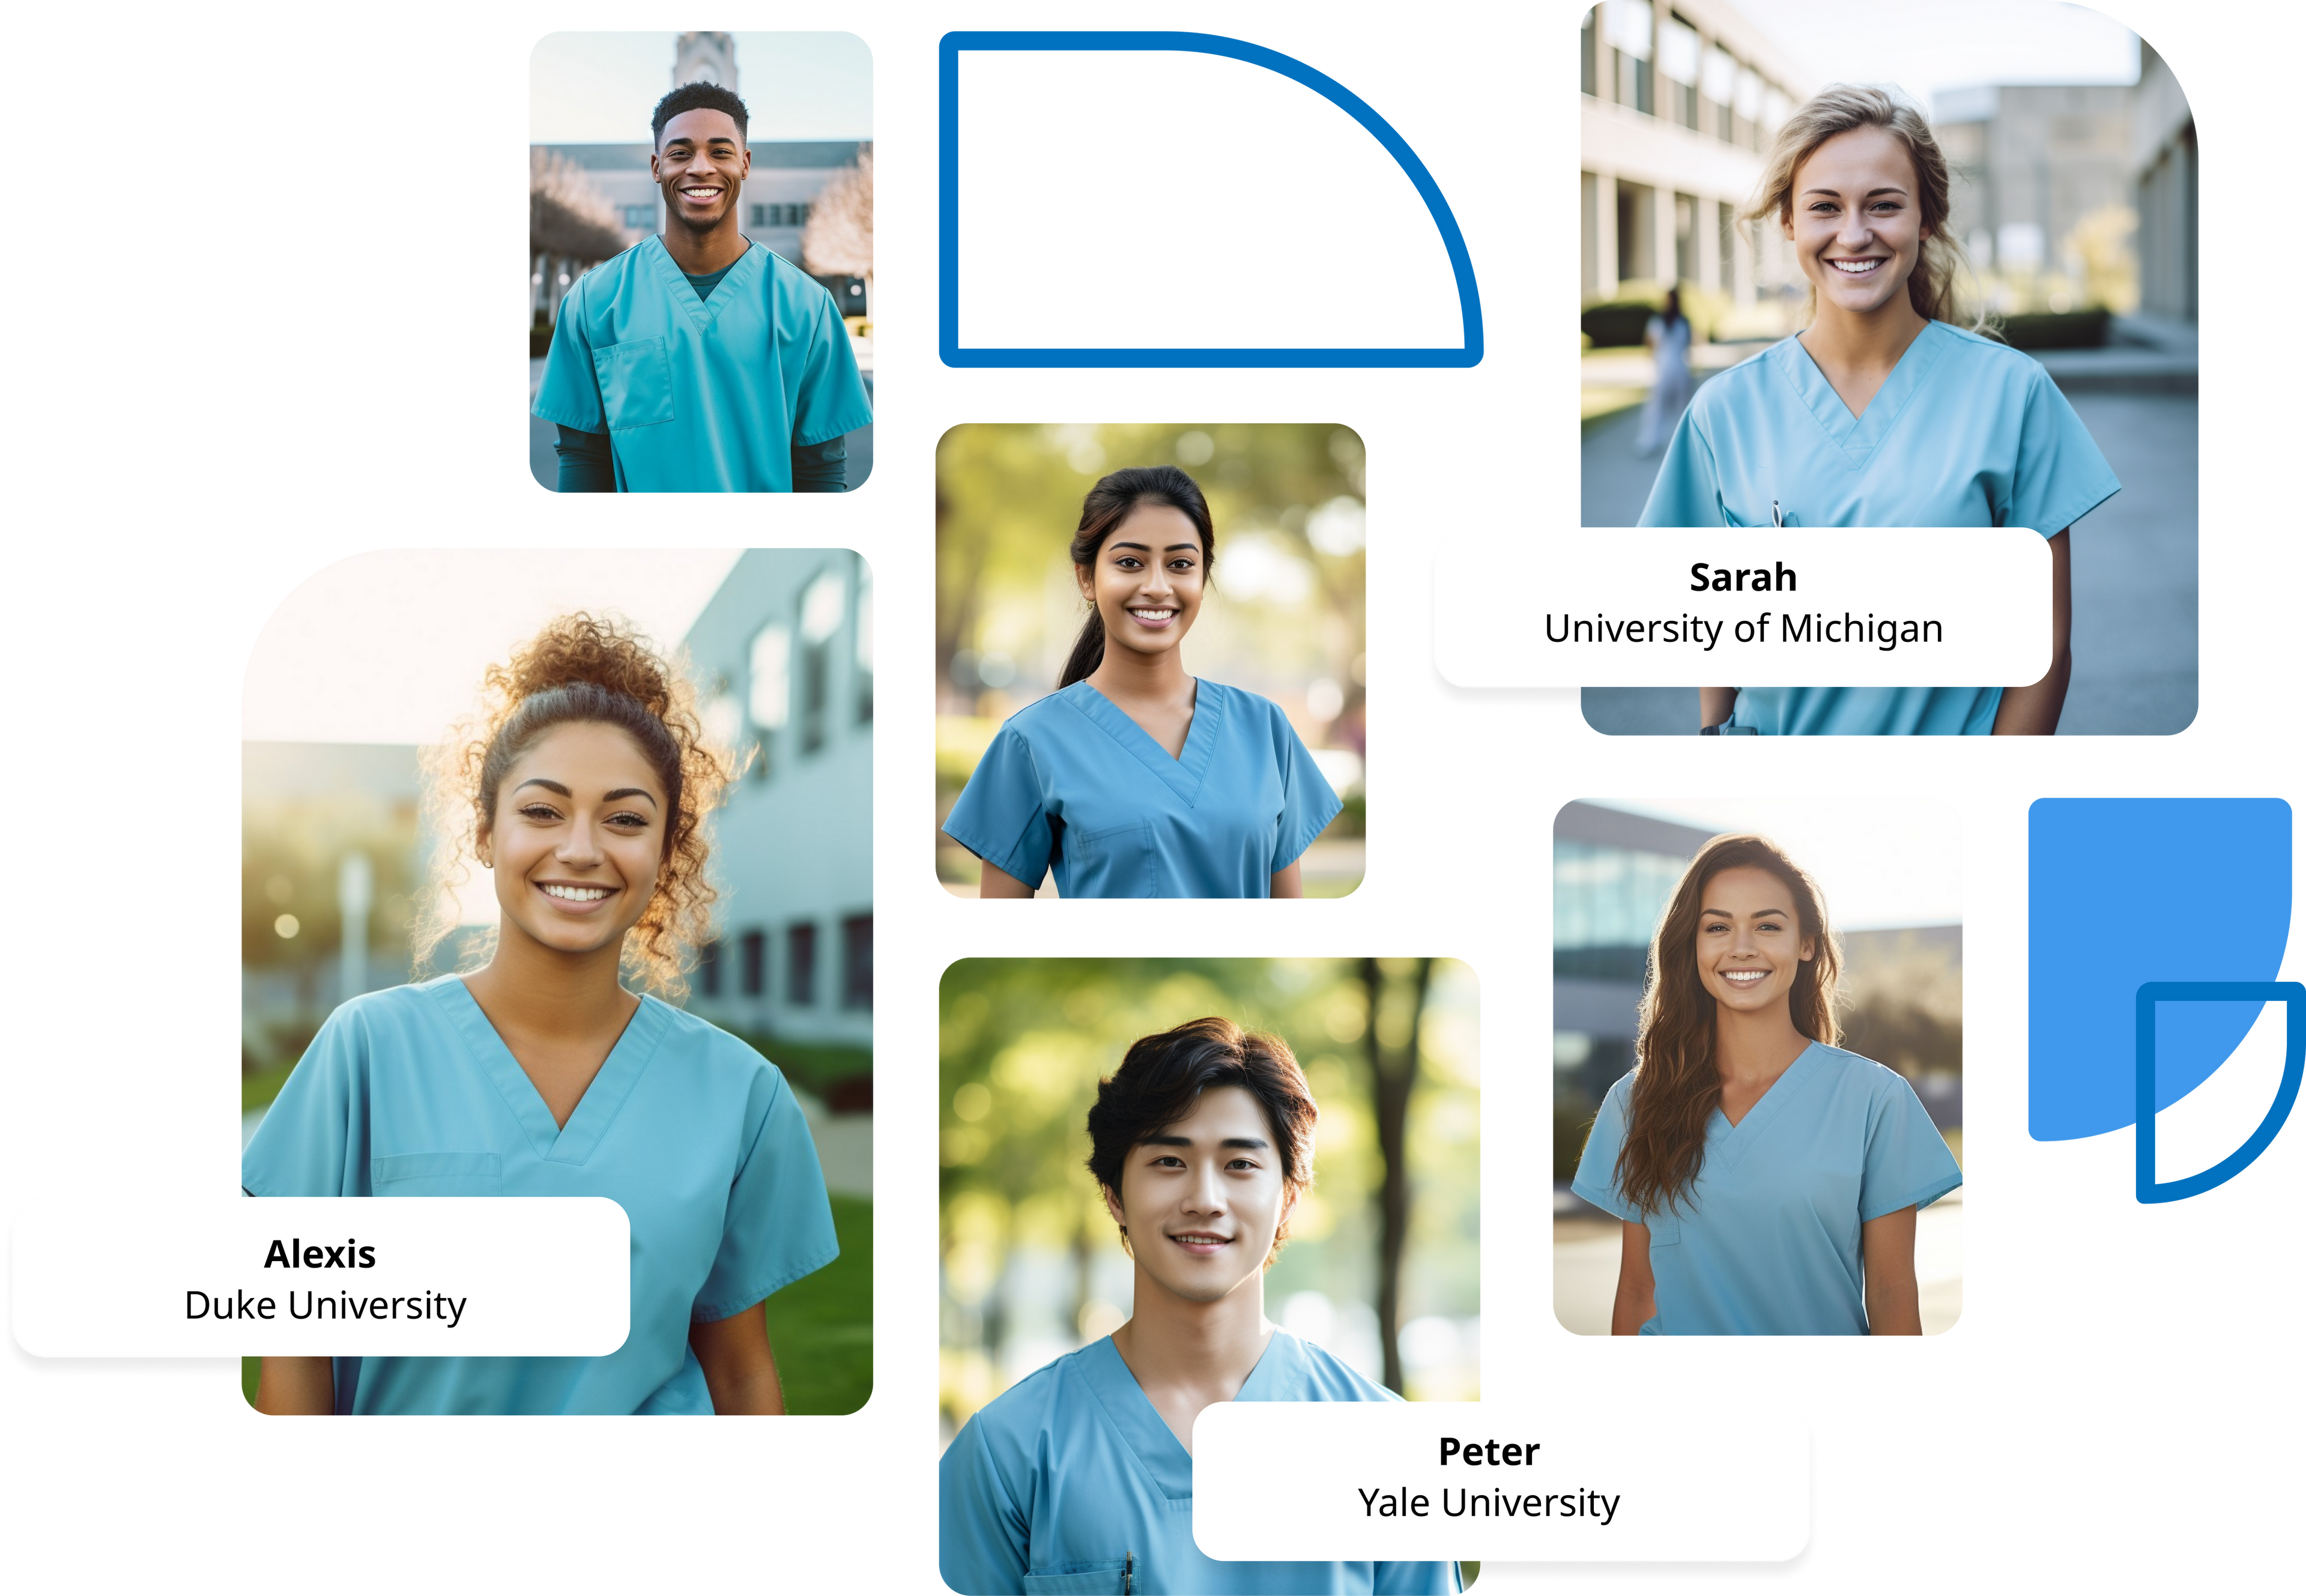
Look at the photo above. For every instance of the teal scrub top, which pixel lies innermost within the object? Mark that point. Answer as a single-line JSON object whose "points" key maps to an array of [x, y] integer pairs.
{"points": [[1072, 784], [1964, 432], [1071, 1482], [1766, 1242], [410, 1093], [697, 394]]}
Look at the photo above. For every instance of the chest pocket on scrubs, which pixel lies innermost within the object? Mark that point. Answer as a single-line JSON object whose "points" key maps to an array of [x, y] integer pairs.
{"points": [[1665, 1231], [1122, 856], [1080, 1579], [436, 1175], [635, 379]]}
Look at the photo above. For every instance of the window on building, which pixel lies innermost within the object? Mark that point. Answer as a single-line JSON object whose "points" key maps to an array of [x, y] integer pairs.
{"points": [[768, 689], [1606, 902], [1588, 45], [1718, 82], [640, 217], [822, 606], [856, 963], [752, 963], [1679, 62], [1726, 216], [1629, 24], [800, 964], [864, 641], [708, 969], [759, 216]]}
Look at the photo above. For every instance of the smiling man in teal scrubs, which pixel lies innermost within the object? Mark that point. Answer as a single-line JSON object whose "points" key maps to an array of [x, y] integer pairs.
{"points": [[697, 362]]}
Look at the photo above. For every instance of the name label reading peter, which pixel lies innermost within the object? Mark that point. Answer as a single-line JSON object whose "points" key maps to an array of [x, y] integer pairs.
{"points": [[1402, 1502]]}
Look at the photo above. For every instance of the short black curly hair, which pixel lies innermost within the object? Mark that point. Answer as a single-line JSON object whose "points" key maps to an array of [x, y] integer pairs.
{"points": [[697, 97]]}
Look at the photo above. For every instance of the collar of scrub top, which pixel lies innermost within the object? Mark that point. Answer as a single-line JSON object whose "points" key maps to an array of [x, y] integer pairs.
{"points": [[1147, 1435], [1183, 772], [730, 289], [1859, 436], [595, 1110], [1726, 1145]]}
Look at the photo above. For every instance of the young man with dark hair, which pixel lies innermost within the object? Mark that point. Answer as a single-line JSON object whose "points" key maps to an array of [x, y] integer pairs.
{"points": [[697, 361]]}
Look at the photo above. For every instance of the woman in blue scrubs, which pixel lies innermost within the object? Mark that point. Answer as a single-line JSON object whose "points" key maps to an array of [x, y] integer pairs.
{"points": [[582, 792], [1882, 412], [1768, 1181], [1135, 780], [1079, 1477]]}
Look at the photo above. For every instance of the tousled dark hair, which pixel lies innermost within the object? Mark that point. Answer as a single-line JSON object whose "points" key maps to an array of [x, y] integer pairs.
{"points": [[697, 97], [1163, 1076], [1108, 505], [583, 669]]}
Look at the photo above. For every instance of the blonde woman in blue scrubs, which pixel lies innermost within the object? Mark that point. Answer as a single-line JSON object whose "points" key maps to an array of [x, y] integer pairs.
{"points": [[1882, 412], [1768, 1181]]}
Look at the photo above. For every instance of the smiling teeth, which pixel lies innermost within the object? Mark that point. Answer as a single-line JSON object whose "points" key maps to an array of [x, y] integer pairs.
{"points": [[1152, 614], [1853, 269], [578, 894], [1199, 1241], [1744, 978]]}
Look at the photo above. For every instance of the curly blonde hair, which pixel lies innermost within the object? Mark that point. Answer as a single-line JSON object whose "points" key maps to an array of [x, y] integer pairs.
{"points": [[583, 669], [1935, 285]]}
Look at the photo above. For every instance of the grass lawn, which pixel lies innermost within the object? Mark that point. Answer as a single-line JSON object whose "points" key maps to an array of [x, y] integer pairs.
{"points": [[822, 1327]]}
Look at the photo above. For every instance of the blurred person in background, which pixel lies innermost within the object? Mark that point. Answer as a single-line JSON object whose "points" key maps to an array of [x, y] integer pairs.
{"points": [[1768, 1181], [1135, 780], [1666, 337], [1082, 1472], [1886, 411]]}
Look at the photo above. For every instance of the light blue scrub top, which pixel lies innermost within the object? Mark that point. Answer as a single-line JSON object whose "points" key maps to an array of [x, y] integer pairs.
{"points": [[410, 1093], [1766, 1242], [1965, 432], [702, 395], [1069, 1482], [1072, 783]]}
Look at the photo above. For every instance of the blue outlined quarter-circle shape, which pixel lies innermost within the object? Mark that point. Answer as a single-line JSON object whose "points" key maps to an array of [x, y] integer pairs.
{"points": [[2251, 995], [1461, 263], [2124, 891]]}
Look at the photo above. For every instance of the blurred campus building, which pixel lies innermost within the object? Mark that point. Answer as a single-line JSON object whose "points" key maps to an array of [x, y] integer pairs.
{"points": [[786, 178], [335, 853], [1613, 872], [2065, 195]]}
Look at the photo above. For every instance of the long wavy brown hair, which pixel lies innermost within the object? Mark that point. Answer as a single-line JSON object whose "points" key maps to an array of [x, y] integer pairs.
{"points": [[583, 669], [1676, 1085]]}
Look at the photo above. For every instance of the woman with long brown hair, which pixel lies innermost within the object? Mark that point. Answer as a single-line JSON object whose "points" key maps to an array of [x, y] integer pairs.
{"points": [[1768, 1180]]}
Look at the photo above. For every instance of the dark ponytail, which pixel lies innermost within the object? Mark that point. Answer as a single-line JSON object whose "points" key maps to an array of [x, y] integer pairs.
{"points": [[1107, 506]]}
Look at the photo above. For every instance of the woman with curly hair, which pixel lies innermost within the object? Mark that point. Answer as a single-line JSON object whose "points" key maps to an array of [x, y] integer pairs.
{"points": [[1768, 1181], [583, 791]]}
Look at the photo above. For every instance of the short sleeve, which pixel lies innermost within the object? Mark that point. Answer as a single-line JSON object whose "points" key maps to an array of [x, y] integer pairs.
{"points": [[1307, 804], [831, 399], [1597, 1166], [999, 816], [1687, 491], [779, 1223], [1907, 1163], [2061, 474], [982, 1537], [313, 1141], [570, 393]]}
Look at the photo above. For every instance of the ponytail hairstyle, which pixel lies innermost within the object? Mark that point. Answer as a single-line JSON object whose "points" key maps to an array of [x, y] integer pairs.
{"points": [[583, 671], [1676, 1085], [1107, 506], [1935, 286]]}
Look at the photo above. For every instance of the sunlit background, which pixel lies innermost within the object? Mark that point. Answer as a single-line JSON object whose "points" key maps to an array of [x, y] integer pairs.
{"points": [[1893, 895], [1283, 616], [1031, 1266]]}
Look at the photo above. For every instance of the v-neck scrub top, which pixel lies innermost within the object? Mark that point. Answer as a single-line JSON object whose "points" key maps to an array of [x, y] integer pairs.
{"points": [[1766, 1241], [411, 1092], [1071, 1482], [1964, 432], [702, 394], [1072, 784]]}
